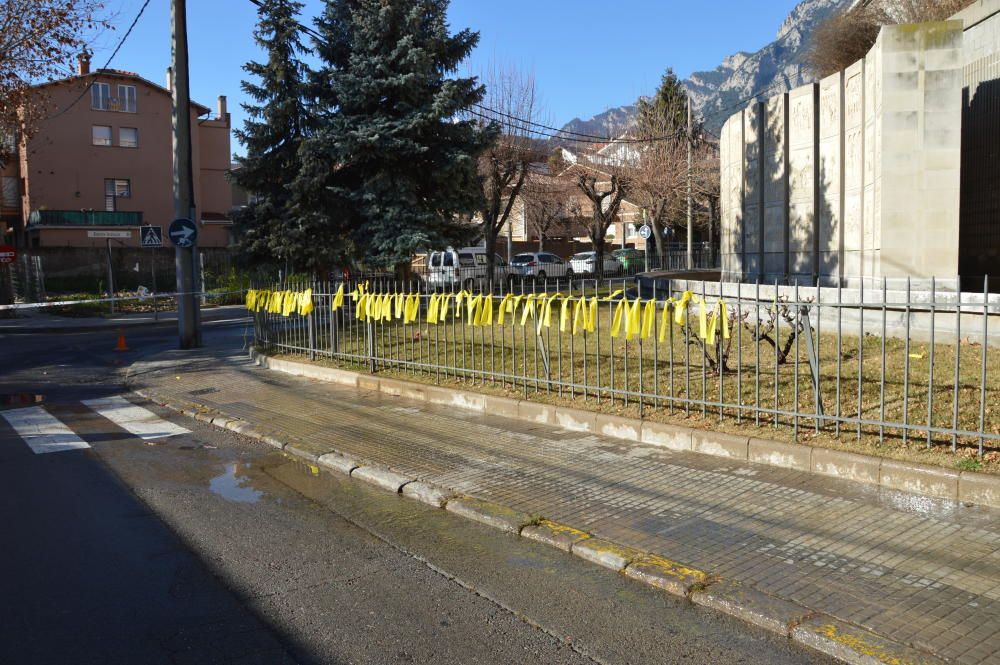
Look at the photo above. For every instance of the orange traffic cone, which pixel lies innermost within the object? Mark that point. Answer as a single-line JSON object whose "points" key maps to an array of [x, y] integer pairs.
{"points": [[121, 346]]}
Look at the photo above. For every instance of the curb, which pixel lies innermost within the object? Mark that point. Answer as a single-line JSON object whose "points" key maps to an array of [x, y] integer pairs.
{"points": [[957, 486], [822, 633]]}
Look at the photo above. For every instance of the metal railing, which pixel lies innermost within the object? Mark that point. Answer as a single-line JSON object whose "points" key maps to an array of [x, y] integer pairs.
{"points": [[917, 367]]}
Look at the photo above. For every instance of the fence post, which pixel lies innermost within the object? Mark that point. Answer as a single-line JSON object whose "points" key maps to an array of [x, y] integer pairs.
{"points": [[813, 362], [370, 344], [311, 326]]}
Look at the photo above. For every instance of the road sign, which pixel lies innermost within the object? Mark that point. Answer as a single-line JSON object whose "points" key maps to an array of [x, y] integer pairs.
{"points": [[151, 236], [109, 234], [645, 231], [183, 232], [7, 254]]}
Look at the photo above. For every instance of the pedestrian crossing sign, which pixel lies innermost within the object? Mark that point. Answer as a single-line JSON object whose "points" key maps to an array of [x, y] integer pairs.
{"points": [[152, 236]]}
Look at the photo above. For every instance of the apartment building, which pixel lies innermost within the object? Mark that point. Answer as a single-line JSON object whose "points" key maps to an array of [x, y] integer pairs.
{"points": [[102, 160]]}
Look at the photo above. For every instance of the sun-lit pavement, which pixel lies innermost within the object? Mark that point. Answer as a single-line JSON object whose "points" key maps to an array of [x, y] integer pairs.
{"points": [[921, 571]]}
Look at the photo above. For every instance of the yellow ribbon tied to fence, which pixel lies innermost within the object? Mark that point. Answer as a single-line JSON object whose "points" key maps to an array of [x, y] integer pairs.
{"points": [[545, 311], [411, 308], [338, 298], [305, 302], [720, 311]]}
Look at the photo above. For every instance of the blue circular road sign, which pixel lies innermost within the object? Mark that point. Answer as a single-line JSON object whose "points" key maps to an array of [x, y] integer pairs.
{"points": [[183, 232]]}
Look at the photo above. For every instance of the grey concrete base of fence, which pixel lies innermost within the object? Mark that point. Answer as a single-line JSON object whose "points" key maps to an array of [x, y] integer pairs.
{"points": [[961, 486], [843, 641]]}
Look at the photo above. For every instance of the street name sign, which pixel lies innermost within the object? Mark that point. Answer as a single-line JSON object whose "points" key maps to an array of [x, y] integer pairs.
{"points": [[109, 234]]}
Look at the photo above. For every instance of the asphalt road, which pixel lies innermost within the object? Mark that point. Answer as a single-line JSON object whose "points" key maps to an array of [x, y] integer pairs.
{"points": [[206, 547]]}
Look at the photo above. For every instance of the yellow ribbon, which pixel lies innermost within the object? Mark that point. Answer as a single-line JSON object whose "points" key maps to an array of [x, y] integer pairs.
{"points": [[305, 302], [338, 298], [411, 308], [433, 308]]}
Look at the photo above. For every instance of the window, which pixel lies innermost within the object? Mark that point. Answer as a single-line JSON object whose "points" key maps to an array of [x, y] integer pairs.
{"points": [[480, 259], [126, 98], [114, 189], [465, 260], [128, 137], [11, 192], [100, 135], [100, 96]]}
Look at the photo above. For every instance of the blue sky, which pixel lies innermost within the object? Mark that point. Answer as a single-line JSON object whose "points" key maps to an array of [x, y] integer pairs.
{"points": [[586, 55]]}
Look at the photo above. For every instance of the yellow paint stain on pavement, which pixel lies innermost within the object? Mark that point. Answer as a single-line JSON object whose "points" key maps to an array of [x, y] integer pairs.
{"points": [[555, 527], [861, 645], [314, 469], [671, 568]]}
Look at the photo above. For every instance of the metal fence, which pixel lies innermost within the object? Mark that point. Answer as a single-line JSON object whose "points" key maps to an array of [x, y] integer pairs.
{"points": [[874, 364]]}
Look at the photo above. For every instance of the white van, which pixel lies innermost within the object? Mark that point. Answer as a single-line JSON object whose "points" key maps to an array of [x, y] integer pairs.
{"points": [[462, 268]]}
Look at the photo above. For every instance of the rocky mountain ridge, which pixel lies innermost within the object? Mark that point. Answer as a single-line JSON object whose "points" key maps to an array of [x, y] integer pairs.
{"points": [[718, 93]]}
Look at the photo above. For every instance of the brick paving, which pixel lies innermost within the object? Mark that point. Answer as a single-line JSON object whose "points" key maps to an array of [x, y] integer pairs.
{"points": [[922, 571]]}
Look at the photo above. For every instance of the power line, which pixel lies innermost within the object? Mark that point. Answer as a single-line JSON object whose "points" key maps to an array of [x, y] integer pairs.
{"points": [[121, 42]]}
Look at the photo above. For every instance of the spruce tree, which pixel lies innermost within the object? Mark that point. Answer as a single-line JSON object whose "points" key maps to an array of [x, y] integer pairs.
{"points": [[389, 153], [270, 229], [667, 109]]}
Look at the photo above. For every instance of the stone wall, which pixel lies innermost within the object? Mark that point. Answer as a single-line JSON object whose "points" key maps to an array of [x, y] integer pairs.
{"points": [[855, 178]]}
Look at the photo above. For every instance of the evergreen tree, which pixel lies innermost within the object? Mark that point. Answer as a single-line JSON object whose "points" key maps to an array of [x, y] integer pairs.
{"points": [[667, 109], [269, 228], [388, 155]]}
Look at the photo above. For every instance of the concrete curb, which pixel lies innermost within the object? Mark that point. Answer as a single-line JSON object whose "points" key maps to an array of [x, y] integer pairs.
{"points": [[842, 641], [965, 486]]}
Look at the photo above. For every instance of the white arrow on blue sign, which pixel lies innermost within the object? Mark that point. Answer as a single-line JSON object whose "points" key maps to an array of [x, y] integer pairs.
{"points": [[183, 233]]}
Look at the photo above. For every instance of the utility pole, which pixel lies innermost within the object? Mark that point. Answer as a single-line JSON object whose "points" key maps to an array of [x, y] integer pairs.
{"points": [[690, 231], [188, 312]]}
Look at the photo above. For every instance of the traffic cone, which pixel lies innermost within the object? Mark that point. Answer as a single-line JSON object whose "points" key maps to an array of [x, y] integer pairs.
{"points": [[121, 346]]}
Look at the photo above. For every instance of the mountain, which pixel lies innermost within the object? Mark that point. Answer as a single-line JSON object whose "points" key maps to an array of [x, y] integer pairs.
{"points": [[718, 93]]}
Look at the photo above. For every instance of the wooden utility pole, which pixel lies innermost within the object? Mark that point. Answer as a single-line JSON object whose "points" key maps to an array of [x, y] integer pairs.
{"points": [[188, 312]]}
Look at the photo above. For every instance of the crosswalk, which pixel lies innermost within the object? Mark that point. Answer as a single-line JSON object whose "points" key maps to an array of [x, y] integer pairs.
{"points": [[43, 433]]}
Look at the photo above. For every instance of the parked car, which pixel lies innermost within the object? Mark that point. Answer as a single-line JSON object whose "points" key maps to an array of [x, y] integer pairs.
{"points": [[539, 265], [585, 263], [467, 267], [630, 260]]}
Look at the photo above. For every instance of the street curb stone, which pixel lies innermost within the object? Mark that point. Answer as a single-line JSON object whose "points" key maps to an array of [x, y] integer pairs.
{"points": [[555, 535], [616, 427], [381, 477], [427, 493], [846, 465], [751, 605], [720, 445], [665, 574], [491, 514], [606, 553], [856, 646], [667, 436], [979, 488], [301, 452], [339, 463], [919, 479], [776, 453]]}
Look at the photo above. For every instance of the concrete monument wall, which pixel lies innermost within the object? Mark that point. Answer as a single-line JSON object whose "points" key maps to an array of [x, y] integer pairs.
{"points": [[855, 178]]}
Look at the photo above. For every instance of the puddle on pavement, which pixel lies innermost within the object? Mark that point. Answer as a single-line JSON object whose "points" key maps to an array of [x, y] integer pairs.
{"points": [[234, 485], [20, 399]]}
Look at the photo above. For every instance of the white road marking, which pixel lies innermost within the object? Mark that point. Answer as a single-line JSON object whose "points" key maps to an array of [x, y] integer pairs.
{"points": [[43, 432], [134, 419]]}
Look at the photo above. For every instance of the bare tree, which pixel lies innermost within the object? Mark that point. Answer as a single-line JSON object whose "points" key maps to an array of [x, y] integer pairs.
{"points": [[39, 42], [549, 203], [846, 37], [510, 100], [605, 190], [660, 176]]}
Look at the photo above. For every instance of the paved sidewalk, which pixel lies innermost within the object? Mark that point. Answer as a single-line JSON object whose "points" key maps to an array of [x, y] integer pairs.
{"points": [[921, 571], [39, 321]]}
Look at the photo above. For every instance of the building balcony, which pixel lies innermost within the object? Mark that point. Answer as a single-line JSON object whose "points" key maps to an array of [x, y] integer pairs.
{"points": [[40, 218]]}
